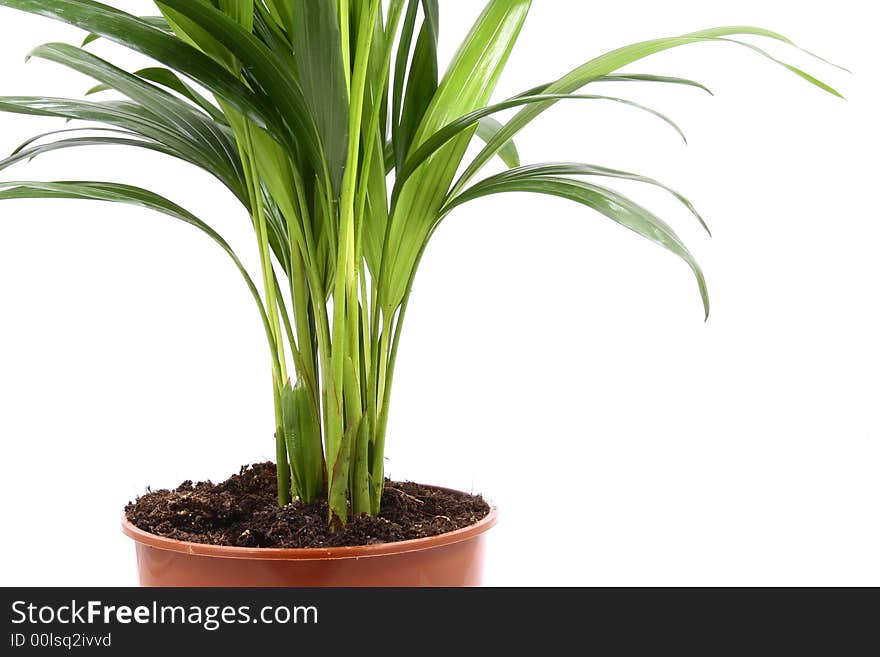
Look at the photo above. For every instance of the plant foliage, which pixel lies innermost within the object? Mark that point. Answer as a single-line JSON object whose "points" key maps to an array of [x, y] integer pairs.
{"points": [[330, 122]]}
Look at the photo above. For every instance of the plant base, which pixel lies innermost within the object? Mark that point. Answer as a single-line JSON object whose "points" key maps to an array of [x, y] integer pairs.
{"points": [[229, 534]]}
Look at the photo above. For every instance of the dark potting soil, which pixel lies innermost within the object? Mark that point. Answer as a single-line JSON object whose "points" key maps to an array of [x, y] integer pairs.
{"points": [[243, 511]]}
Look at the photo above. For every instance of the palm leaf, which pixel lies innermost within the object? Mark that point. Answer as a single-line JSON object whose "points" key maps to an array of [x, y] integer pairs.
{"points": [[266, 70], [608, 64], [613, 205], [170, 80], [53, 133], [316, 42], [468, 84], [132, 118], [576, 169], [127, 194], [421, 86], [463, 124], [171, 111], [159, 22], [28, 154], [487, 128], [140, 36], [643, 77]]}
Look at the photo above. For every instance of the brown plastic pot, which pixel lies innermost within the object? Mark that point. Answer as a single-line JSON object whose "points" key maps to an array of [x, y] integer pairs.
{"points": [[451, 559]]}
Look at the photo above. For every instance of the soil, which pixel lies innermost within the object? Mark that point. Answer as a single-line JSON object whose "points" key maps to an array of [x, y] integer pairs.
{"points": [[243, 511]]}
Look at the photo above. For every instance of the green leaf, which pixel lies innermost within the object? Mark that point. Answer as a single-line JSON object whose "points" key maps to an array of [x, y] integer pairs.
{"points": [[487, 128], [273, 35], [132, 118], [159, 22], [170, 80], [140, 36], [372, 201], [613, 205], [401, 67], [338, 485], [181, 117], [484, 132], [317, 43], [605, 65], [110, 192], [267, 70], [126, 194], [794, 69], [281, 12], [467, 85], [421, 86], [576, 169], [303, 437], [608, 202], [28, 154], [432, 17], [241, 11], [53, 133], [641, 77], [439, 139], [631, 77], [192, 33]]}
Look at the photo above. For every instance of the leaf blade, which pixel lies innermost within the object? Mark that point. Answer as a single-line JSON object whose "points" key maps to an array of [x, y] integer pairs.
{"points": [[611, 204], [487, 128], [598, 67], [317, 40]]}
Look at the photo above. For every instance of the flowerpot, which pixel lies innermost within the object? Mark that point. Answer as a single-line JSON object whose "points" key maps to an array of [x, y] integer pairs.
{"points": [[451, 559]]}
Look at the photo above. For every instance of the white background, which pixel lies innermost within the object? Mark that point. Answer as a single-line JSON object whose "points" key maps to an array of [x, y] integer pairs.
{"points": [[552, 360]]}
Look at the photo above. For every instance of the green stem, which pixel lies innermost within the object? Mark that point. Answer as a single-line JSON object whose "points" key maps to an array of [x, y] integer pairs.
{"points": [[279, 370], [374, 143], [377, 467], [282, 464], [344, 31], [387, 379], [345, 289]]}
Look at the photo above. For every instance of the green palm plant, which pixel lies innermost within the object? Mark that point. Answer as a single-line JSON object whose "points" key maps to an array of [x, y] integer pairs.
{"points": [[329, 122]]}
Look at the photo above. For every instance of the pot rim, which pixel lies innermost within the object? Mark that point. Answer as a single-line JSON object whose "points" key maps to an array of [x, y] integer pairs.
{"points": [[312, 554]]}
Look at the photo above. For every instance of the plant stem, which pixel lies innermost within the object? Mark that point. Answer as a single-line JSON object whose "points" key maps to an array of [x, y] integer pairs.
{"points": [[377, 467], [345, 302], [282, 464], [279, 374], [344, 31]]}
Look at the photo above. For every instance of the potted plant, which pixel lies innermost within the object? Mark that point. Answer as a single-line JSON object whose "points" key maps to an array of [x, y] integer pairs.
{"points": [[329, 122]]}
